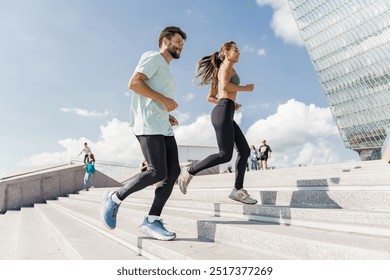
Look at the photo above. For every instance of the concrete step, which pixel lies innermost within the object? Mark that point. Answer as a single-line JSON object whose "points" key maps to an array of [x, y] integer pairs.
{"points": [[365, 222], [34, 239], [79, 241], [360, 198], [327, 175], [355, 221], [287, 241], [338, 211], [9, 228], [346, 199], [188, 245], [272, 179]]}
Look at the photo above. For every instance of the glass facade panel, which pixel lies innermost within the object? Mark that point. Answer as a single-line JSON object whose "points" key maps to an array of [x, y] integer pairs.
{"points": [[348, 42]]}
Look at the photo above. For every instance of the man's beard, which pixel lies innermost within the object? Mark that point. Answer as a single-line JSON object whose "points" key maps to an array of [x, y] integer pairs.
{"points": [[173, 51]]}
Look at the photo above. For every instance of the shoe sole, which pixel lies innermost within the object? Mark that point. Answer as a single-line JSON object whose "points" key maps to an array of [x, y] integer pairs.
{"points": [[250, 203], [105, 197], [181, 186], [153, 234]]}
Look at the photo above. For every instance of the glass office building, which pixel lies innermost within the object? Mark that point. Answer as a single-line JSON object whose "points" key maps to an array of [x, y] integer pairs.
{"points": [[348, 42]]}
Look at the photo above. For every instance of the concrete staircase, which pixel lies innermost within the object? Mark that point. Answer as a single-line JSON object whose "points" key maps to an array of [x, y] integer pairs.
{"points": [[337, 211]]}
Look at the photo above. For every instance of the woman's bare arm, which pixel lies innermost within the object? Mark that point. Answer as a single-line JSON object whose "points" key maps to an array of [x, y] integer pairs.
{"points": [[212, 96], [226, 72]]}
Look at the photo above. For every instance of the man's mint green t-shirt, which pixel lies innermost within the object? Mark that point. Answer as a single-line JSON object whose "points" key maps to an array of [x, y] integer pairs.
{"points": [[149, 117]]}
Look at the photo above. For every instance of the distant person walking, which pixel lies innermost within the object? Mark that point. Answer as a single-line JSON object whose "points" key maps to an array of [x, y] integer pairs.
{"points": [[153, 89], [86, 150], [217, 69], [254, 158], [265, 153], [89, 171]]}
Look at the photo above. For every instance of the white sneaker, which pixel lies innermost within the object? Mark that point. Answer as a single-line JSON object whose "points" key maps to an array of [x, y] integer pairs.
{"points": [[184, 179], [242, 196]]}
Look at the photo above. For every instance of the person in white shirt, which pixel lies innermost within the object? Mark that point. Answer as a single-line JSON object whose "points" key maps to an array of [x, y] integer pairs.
{"points": [[87, 151], [150, 121]]}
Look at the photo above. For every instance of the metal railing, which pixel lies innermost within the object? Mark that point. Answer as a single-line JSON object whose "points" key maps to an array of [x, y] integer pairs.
{"points": [[120, 172]]}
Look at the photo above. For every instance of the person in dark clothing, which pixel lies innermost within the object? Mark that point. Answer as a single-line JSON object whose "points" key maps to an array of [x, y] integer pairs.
{"points": [[265, 153], [217, 69]]}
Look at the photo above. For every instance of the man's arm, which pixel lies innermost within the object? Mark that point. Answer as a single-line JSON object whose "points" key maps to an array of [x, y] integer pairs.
{"points": [[138, 85]]}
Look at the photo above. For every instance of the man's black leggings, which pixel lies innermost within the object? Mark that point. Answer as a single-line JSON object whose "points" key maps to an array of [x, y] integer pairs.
{"points": [[161, 154], [228, 134]]}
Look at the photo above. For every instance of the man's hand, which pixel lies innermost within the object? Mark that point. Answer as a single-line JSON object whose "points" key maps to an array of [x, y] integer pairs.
{"points": [[173, 120], [169, 104], [237, 106]]}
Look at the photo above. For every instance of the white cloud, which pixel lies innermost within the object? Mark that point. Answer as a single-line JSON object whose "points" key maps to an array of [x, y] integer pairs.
{"points": [[255, 108], [200, 17], [198, 133], [293, 123], [181, 117], [85, 113], [283, 22], [316, 153], [238, 117], [297, 133], [189, 96], [248, 49], [261, 52], [115, 144]]}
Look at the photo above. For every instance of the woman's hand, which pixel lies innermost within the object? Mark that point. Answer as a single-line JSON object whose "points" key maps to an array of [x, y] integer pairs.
{"points": [[249, 87]]}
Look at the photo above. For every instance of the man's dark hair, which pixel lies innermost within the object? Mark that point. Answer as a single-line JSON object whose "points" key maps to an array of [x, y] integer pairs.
{"points": [[169, 32]]}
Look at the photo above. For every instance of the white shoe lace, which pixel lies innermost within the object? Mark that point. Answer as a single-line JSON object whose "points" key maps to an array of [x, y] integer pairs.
{"points": [[162, 224], [245, 193]]}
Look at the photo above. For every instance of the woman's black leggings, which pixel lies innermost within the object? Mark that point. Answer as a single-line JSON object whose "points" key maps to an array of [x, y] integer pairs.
{"points": [[228, 133], [161, 154]]}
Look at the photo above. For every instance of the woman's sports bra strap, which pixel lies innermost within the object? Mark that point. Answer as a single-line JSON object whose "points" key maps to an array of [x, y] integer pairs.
{"points": [[235, 79]]}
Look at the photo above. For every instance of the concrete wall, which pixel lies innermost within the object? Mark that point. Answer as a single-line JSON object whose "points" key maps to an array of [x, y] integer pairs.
{"points": [[24, 191]]}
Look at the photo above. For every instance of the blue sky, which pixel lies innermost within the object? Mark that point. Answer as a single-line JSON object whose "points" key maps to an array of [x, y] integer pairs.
{"points": [[65, 65]]}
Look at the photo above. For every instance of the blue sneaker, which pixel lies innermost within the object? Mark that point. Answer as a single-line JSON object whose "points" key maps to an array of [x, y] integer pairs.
{"points": [[109, 210], [156, 230]]}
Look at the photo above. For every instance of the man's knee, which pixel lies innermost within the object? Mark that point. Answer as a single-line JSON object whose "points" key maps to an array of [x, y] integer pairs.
{"points": [[225, 156]]}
